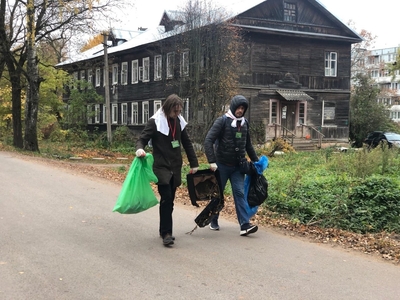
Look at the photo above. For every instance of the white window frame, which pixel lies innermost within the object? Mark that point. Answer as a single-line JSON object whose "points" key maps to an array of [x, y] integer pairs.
{"points": [[114, 115], [115, 74], [98, 78], [185, 63], [104, 114], [145, 112], [157, 67], [135, 113], [124, 113], [135, 71], [124, 73], [304, 117], [276, 115], [97, 113], [157, 105], [328, 117], [290, 11], [146, 69], [83, 75], [90, 77], [331, 60], [170, 65]]}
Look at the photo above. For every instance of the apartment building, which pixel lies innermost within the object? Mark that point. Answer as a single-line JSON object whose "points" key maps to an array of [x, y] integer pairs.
{"points": [[378, 63]]}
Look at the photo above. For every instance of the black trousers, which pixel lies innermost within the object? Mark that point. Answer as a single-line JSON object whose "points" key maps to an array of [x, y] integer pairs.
{"points": [[167, 194]]}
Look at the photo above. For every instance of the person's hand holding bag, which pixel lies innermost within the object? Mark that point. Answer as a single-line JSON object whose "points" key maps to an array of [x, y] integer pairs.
{"points": [[193, 170], [140, 153], [213, 167]]}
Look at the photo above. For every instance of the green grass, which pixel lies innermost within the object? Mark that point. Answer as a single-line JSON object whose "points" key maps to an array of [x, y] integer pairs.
{"points": [[356, 190]]}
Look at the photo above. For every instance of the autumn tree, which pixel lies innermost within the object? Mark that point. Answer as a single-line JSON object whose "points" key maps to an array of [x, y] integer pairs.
{"points": [[92, 42], [213, 52], [22, 26], [366, 114], [361, 51]]}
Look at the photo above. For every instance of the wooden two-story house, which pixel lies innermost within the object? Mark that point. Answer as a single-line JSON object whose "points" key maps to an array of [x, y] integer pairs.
{"points": [[295, 70]]}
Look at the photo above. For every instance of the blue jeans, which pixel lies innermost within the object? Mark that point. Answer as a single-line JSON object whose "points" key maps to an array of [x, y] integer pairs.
{"points": [[237, 182]]}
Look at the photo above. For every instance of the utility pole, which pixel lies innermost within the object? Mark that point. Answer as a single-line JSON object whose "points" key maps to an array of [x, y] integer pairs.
{"points": [[107, 89]]}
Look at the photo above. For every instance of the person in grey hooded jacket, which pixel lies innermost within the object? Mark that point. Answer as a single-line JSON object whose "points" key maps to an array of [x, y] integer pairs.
{"points": [[226, 142]]}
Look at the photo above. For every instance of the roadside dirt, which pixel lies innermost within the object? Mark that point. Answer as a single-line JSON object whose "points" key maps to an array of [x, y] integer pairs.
{"points": [[383, 245]]}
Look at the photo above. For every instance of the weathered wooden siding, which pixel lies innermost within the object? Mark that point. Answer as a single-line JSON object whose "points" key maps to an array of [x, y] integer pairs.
{"points": [[270, 57]]}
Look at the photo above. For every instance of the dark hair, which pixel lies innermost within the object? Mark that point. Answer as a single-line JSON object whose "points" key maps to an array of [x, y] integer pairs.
{"points": [[170, 104]]}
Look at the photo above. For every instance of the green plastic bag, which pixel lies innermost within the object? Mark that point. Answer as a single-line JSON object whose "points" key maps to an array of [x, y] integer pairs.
{"points": [[136, 194]]}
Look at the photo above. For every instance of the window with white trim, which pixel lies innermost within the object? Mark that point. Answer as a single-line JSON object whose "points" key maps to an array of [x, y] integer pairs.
{"points": [[302, 112], [145, 113], [330, 64], [104, 114], [90, 77], [124, 73], [289, 12], [157, 105], [114, 114], [97, 113], [329, 113], [135, 71], [157, 67], [274, 112], [146, 69], [124, 113], [83, 74], [114, 74], [185, 63], [135, 113], [170, 65], [98, 79]]}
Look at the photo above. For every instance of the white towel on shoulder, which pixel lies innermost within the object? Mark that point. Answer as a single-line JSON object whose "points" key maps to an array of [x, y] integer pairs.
{"points": [[162, 122], [229, 114]]}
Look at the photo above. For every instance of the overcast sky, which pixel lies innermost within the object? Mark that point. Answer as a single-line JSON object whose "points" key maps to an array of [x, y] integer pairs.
{"points": [[378, 17]]}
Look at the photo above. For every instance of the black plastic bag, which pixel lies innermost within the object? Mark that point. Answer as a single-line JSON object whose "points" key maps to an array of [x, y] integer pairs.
{"points": [[258, 190]]}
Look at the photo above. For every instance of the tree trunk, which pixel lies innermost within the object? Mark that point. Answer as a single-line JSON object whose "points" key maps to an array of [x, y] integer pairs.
{"points": [[15, 78], [16, 110], [32, 97]]}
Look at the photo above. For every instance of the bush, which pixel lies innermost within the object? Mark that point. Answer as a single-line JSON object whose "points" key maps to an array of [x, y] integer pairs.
{"points": [[356, 191], [123, 137]]}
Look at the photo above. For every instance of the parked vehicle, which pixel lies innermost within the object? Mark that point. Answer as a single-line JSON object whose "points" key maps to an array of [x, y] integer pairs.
{"points": [[378, 137]]}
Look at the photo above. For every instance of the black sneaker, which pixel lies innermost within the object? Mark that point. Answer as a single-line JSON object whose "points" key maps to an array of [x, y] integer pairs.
{"points": [[168, 240], [214, 225], [247, 229]]}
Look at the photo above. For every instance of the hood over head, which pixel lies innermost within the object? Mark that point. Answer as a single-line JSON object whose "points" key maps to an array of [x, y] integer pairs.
{"points": [[237, 101]]}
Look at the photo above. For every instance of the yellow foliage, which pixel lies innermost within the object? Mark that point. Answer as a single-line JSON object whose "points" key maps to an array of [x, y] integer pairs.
{"points": [[92, 42]]}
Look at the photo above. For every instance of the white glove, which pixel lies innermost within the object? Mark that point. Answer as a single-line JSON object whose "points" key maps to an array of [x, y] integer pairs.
{"points": [[213, 167], [140, 153], [193, 170]]}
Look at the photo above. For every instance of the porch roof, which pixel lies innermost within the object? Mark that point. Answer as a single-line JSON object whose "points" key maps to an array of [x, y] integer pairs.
{"points": [[292, 95]]}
